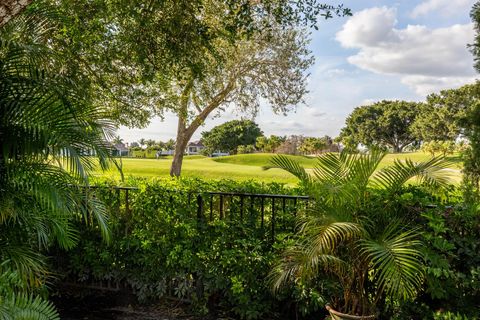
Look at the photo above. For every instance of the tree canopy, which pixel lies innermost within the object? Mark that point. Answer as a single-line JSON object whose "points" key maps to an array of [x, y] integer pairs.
{"points": [[188, 57], [130, 52], [228, 136], [382, 124], [441, 117]]}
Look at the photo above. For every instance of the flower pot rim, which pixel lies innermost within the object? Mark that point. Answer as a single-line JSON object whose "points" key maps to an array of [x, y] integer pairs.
{"points": [[348, 316]]}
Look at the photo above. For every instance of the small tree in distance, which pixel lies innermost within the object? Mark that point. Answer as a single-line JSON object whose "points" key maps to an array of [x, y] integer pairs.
{"points": [[382, 124], [229, 136], [269, 144]]}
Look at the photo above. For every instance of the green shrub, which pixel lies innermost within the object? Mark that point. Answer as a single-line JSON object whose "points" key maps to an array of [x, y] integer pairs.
{"points": [[159, 246]]}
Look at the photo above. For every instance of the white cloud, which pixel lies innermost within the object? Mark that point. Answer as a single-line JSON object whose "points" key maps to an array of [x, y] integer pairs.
{"points": [[444, 7], [368, 27], [426, 59]]}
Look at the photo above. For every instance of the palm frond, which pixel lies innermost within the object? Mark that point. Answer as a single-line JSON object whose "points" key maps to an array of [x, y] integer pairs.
{"points": [[291, 166], [27, 307], [396, 260], [433, 173], [295, 266], [316, 251], [48, 125], [28, 263]]}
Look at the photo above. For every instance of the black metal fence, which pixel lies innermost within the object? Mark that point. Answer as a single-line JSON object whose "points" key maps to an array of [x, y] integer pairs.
{"points": [[270, 213]]}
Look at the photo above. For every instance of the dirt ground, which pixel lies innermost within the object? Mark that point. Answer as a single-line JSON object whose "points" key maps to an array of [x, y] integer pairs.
{"points": [[105, 309]]}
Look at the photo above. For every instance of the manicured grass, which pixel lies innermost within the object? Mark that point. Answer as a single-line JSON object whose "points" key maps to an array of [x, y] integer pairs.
{"points": [[262, 159], [243, 167], [204, 168]]}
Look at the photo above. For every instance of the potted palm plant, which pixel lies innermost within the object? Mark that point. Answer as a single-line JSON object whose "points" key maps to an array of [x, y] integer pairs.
{"points": [[354, 232]]}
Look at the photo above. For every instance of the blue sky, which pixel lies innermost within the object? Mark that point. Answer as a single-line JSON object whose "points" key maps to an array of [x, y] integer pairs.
{"points": [[401, 49]]}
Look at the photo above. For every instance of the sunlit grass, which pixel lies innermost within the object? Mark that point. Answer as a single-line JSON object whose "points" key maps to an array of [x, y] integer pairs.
{"points": [[243, 167]]}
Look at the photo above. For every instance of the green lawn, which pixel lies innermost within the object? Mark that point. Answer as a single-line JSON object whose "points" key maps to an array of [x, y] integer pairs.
{"points": [[241, 167]]}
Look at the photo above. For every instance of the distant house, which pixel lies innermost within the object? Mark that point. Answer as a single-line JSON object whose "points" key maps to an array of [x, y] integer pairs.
{"points": [[120, 150], [194, 147], [167, 152], [219, 154]]}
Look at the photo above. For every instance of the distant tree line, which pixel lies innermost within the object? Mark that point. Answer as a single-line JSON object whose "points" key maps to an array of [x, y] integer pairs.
{"points": [[150, 144], [434, 125], [245, 136]]}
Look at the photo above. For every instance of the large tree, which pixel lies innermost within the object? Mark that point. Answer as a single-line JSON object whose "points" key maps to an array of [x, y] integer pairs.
{"points": [[189, 57], [269, 144], [267, 67], [440, 118], [382, 124], [129, 49], [228, 136], [471, 122]]}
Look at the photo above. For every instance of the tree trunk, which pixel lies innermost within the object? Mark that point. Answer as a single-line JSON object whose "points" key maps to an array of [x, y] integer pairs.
{"points": [[184, 133], [181, 144], [10, 8]]}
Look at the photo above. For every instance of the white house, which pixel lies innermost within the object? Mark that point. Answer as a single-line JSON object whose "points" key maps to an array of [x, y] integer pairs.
{"points": [[194, 147], [120, 149]]}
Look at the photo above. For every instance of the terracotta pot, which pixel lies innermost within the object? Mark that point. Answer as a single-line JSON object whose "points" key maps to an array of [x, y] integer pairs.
{"points": [[336, 315]]}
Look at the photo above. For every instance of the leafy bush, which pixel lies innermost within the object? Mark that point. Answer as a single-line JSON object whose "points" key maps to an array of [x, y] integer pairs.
{"points": [[451, 245], [160, 247]]}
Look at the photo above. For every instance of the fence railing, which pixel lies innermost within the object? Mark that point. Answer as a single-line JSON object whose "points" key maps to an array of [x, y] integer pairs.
{"points": [[270, 213]]}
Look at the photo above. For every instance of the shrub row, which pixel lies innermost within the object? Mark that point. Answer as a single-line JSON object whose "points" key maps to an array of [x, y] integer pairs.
{"points": [[160, 247]]}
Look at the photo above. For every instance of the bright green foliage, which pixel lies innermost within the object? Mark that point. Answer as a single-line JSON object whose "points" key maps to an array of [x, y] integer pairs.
{"points": [[269, 144], [47, 127], [356, 233], [24, 307], [442, 147], [160, 245], [385, 124], [441, 117], [228, 136], [452, 282]]}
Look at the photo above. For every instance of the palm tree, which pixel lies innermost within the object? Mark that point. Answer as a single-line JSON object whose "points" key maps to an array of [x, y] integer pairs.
{"points": [[47, 129], [117, 140], [355, 233]]}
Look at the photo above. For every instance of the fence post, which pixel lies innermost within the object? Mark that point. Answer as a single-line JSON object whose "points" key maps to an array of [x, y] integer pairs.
{"points": [[273, 219], [199, 207], [263, 212], [221, 207], [211, 207], [241, 208], [127, 206]]}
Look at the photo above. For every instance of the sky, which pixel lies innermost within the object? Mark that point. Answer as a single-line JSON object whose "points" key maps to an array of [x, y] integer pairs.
{"points": [[404, 49]]}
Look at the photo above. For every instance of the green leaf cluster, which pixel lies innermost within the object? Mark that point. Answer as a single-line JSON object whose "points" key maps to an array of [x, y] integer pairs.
{"points": [[47, 129], [228, 136], [357, 233], [160, 248]]}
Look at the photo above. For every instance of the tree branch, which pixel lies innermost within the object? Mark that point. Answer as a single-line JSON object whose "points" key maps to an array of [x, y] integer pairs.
{"points": [[11, 8]]}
